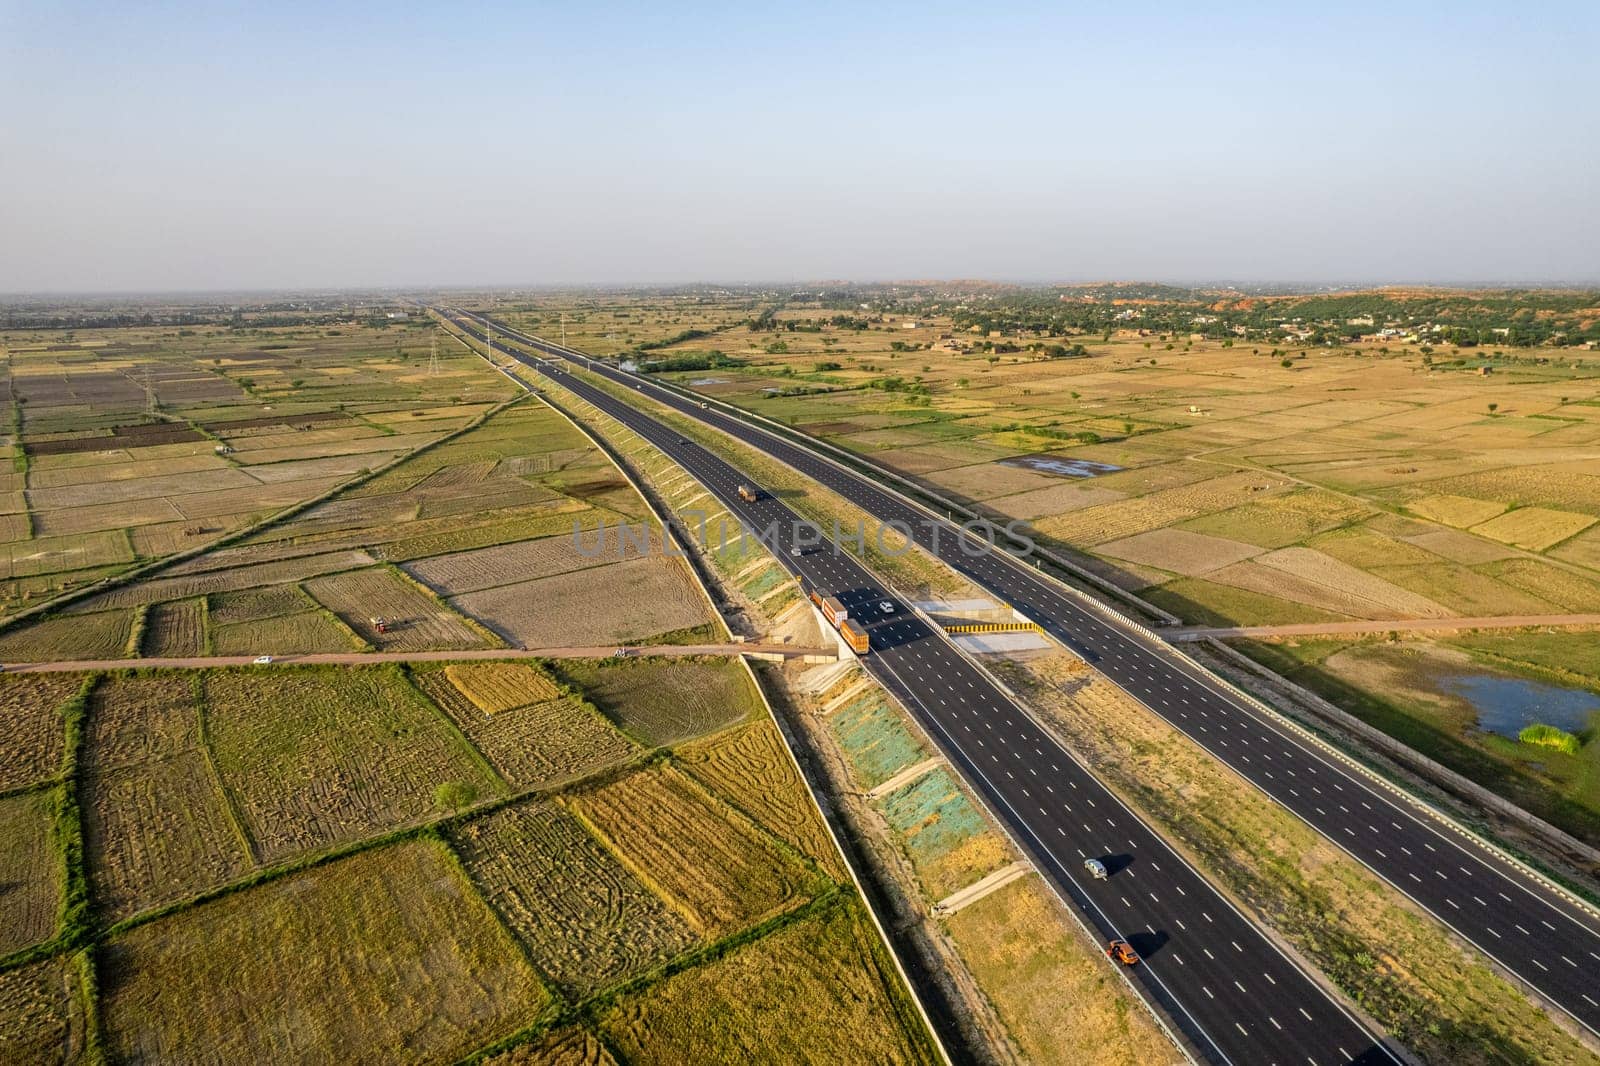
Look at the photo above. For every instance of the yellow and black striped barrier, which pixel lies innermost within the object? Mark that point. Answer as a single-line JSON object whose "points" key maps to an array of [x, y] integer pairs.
{"points": [[995, 627]]}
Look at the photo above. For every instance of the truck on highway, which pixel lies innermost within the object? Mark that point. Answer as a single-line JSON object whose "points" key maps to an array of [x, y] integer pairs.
{"points": [[838, 616], [747, 493], [855, 636], [831, 607]]}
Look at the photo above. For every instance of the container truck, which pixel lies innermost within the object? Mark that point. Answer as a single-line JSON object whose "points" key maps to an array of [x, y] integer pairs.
{"points": [[855, 636]]}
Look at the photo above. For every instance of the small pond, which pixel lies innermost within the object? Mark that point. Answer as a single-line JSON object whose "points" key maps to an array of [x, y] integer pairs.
{"points": [[1505, 705], [1061, 465]]}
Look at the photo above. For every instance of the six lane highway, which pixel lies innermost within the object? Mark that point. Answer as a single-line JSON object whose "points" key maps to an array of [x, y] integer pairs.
{"points": [[1515, 918], [1232, 993]]}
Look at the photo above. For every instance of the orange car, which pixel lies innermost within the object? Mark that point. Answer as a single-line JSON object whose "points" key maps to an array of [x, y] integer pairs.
{"points": [[1123, 952]]}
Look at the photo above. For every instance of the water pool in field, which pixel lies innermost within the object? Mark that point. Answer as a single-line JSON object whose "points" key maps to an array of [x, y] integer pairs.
{"points": [[1505, 705], [1061, 465]]}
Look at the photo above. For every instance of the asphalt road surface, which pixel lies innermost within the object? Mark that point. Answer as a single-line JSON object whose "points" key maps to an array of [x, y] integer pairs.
{"points": [[1531, 929], [1228, 989]]}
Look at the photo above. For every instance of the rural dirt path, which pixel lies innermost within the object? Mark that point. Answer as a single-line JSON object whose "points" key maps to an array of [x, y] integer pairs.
{"points": [[1404, 625], [357, 658]]}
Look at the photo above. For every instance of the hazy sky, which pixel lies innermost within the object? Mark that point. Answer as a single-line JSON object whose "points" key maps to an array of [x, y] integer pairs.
{"points": [[154, 147]]}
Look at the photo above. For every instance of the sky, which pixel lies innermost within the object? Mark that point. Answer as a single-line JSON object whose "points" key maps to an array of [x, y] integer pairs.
{"points": [[150, 147]]}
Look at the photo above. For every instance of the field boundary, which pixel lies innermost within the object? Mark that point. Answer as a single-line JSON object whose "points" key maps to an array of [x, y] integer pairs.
{"points": [[155, 566]]}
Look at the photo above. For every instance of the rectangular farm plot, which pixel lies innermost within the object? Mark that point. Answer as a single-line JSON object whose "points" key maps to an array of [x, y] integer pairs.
{"points": [[1534, 528], [613, 604], [1458, 511], [665, 701], [1179, 551], [30, 872], [1319, 580], [495, 687], [386, 956], [535, 744], [41, 1015], [157, 828], [305, 633], [814, 991], [751, 768], [414, 620], [708, 862], [586, 919], [174, 630], [32, 731], [507, 564], [320, 757], [101, 635]]}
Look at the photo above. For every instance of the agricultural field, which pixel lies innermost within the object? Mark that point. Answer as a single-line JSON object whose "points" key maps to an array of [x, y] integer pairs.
{"points": [[142, 442], [439, 976], [542, 740], [157, 826], [416, 621], [1165, 462], [30, 869], [313, 758], [586, 919], [664, 701], [807, 992], [750, 767], [32, 743], [711, 865], [41, 1019], [475, 521]]}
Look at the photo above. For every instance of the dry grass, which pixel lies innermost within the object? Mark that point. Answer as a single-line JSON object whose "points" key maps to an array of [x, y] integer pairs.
{"points": [[713, 866], [1033, 964], [32, 742], [560, 611], [267, 975], [751, 769], [102, 635], [1535, 528], [417, 622], [1180, 551], [665, 701], [30, 871], [585, 918], [174, 630], [41, 1018], [320, 757], [536, 744], [495, 687], [812, 992]]}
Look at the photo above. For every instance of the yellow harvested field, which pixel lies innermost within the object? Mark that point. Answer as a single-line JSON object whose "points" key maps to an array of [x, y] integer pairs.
{"points": [[1307, 565], [1535, 528], [709, 863], [1458, 511], [1113, 521], [1459, 547], [496, 687], [1180, 551]]}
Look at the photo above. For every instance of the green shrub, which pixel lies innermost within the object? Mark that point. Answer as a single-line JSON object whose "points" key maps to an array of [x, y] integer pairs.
{"points": [[1548, 736]]}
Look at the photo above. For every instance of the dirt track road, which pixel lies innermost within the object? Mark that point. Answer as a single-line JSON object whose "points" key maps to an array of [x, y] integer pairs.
{"points": [[365, 658], [1407, 625]]}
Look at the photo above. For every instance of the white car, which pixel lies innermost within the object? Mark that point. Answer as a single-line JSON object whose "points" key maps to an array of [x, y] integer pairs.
{"points": [[886, 606], [1096, 868], [263, 660]]}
